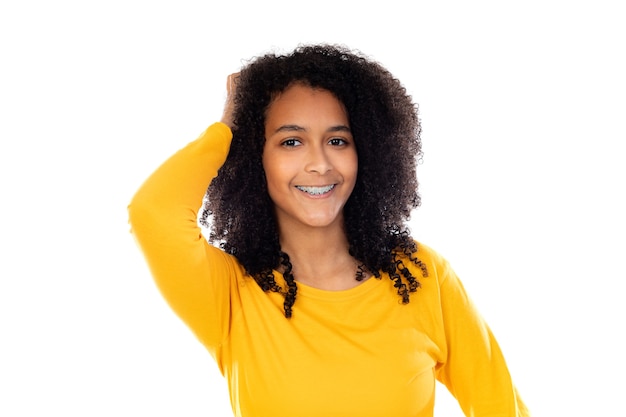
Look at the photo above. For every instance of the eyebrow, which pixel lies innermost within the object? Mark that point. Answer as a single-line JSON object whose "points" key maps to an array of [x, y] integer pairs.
{"points": [[297, 128]]}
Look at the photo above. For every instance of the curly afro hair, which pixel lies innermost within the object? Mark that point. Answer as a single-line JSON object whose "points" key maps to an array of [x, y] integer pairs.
{"points": [[386, 129]]}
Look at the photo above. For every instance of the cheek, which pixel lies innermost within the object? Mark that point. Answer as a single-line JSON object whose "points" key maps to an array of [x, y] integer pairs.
{"points": [[354, 167], [276, 176], [281, 168]]}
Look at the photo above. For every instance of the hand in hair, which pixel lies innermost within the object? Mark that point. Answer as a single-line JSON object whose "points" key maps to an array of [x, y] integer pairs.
{"points": [[229, 106]]}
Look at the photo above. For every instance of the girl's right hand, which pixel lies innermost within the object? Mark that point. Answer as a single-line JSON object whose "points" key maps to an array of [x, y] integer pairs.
{"points": [[229, 106]]}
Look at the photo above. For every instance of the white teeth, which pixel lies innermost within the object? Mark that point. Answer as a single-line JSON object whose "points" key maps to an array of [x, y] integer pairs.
{"points": [[316, 190]]}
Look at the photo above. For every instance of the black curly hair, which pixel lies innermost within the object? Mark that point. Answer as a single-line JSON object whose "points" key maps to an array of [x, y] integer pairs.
{"points": [[384, 123]]}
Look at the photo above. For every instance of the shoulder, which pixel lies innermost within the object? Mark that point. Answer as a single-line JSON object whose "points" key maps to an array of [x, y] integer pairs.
{"points": [[434, 261], [427, 265], [441, 278], [428, 254]]}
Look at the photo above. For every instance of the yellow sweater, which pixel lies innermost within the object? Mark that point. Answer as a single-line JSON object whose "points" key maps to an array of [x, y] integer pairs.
{"points": [[358, 352]]}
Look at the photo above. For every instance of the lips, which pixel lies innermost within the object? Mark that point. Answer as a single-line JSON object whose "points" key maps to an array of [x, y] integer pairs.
{"points": [[315, 190]]}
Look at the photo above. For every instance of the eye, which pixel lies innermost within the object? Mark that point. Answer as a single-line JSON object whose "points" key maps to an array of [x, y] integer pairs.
{"points": [[338, 142], [290, 143]]}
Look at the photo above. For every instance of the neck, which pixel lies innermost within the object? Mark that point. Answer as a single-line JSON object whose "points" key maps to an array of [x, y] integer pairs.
{"points": [[320, 257], [314, 243]]}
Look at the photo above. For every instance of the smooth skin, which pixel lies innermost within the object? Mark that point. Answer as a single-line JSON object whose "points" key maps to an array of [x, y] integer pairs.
{"points": [[310, 164], [309, 159]]}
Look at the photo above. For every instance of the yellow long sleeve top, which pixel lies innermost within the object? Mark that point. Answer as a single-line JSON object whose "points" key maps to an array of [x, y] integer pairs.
{"points": [[358, 352]]}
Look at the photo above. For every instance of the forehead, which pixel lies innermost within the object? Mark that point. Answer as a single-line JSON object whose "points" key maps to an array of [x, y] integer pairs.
{"points": [[300, 101]]}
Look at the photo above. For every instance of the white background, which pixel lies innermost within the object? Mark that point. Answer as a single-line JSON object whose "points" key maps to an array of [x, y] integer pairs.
{"points": [[523, 109]]}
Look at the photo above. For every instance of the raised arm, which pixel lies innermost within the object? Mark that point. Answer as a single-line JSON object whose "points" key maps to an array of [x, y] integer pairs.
{"points": [[193, 276]]}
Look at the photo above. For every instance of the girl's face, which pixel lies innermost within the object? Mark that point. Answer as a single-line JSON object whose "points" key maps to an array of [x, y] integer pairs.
{"points": [[309, 157]]}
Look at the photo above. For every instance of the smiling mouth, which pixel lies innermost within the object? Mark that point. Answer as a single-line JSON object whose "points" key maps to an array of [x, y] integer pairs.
{"points": [[316, 190]]}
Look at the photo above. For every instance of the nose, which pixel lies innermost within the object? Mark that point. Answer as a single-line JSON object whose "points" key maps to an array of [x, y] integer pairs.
{"points": [[318, 160]]}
